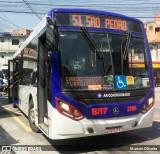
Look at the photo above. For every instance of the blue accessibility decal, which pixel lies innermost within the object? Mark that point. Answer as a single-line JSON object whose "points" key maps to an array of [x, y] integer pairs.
{"points": [[121, 82]]}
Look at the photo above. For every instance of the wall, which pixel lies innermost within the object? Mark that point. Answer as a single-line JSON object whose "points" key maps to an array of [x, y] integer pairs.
{"points": [[8, 48]]}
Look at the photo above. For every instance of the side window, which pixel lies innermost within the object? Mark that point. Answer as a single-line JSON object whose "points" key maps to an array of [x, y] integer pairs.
{"points": [[27, 76], [1, 74], [151, 27], [15, 42], [29, 65], [2, 40]]}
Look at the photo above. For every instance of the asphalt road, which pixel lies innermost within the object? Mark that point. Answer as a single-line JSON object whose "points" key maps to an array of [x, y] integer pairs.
{"points": [[15, 131]]}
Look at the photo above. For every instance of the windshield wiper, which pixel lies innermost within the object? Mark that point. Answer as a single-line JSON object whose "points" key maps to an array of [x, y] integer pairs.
{"points": [[126, 46], [125, 52], [93, 46], [92, 43]]}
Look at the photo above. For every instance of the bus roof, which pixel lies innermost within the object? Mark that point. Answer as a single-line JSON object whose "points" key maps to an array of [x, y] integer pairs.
{"points": [[39, 27], [76, 10]]}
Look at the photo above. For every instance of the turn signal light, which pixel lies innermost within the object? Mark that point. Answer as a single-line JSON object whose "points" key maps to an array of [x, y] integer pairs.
{"points": [[68, 110], [148, 105]]}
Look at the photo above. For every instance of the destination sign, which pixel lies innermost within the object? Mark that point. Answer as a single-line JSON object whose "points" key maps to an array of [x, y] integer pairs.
{"points": [[97, 21], [94, 21]]}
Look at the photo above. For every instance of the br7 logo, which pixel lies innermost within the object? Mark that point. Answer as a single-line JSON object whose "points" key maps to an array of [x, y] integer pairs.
{"points": [[99, 111]]}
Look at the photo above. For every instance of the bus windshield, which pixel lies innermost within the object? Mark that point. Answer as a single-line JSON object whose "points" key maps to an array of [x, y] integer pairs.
{"points": [[82, 69]]}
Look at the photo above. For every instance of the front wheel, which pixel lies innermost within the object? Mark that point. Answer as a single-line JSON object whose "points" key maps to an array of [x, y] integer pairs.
{"points": [[31, 117]]}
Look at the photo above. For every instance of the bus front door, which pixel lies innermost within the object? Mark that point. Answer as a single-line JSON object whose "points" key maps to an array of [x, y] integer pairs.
{"points": [[13, 82], [42, 80], [10, 81]]}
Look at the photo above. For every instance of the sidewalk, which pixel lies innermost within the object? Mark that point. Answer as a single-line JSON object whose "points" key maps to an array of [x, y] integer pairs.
{"points": [[157, 95]]}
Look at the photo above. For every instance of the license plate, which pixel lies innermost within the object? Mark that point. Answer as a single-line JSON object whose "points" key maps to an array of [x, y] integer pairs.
{"points": [[113, 130]]}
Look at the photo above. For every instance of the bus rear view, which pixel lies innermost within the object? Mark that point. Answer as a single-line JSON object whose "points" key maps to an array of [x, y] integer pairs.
{"points": [[93, 87]]}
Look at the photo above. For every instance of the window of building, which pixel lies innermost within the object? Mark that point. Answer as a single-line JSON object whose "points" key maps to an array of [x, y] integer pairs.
{"points": [[157, 29], [150, 27], [2, 40], [2, 56], [151, 48], [15, 42]]}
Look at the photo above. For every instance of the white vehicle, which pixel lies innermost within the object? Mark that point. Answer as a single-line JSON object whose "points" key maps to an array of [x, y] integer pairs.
{"points": [[73, 76]]}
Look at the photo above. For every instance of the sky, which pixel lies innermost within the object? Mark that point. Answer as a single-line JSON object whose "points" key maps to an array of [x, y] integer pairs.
{"points": [[18, 14]]}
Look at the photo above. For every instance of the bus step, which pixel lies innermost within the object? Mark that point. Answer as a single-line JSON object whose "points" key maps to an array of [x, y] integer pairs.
{"points": [[44, 127]]}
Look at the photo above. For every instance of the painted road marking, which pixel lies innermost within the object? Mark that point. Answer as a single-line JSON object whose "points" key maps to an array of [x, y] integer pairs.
{"points": [[4, 105], [14, 115], [157, 116], [156, 120], [18, 112]]}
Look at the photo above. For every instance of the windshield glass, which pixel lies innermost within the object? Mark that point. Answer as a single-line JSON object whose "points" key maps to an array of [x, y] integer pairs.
{"points": [[120, 68]]}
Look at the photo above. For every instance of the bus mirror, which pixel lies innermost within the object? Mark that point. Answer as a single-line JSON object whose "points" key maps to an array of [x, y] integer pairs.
{"points": [[51, 37]]}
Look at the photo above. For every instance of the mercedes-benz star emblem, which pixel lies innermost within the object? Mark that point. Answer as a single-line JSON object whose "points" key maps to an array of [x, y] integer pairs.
{"points": [[99, 95], [115, 110]]}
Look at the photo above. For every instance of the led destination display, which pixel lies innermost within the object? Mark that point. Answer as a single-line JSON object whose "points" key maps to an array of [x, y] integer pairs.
{"points": [[97, 21]]}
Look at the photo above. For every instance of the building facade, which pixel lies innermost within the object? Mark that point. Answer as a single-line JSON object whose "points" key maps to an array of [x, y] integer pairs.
{"points": [[153, 34], [10, 42]]}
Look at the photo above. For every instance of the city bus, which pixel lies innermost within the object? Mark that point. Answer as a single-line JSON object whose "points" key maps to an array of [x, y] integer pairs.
{"points": [[73, 76]]}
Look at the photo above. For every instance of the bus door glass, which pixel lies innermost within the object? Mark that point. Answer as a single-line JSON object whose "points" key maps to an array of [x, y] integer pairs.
{"points": [[10, 80], [15, 82], [42, 83]]}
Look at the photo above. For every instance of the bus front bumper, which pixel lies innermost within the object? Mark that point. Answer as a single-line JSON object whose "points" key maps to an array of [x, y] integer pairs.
{"points": [[63, 127]]}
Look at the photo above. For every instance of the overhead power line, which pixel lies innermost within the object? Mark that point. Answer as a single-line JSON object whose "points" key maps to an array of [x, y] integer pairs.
{"points": [[26, 12], [9, 21], [115, 4], [23, 12], [5, 25], [32, 9]]}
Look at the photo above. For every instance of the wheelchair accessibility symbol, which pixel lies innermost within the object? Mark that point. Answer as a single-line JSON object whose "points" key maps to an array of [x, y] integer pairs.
{"points": [[121, 82]]}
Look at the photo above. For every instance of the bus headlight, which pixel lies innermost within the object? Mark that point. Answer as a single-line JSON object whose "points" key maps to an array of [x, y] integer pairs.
{"points": [[147, 106], [68, 110]]}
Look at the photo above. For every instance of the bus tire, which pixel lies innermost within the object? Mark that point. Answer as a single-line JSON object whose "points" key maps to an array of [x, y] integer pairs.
{"points": [[31, 117]]}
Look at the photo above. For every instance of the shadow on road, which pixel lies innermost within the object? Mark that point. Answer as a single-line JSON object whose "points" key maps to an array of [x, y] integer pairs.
{"points": [[150, 133], [4, 110], [97, 143], [5, 138], [5, 141]]}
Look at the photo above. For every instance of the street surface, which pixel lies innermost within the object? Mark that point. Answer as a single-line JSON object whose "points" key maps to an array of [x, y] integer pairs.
{"points": [[15, 131]]}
